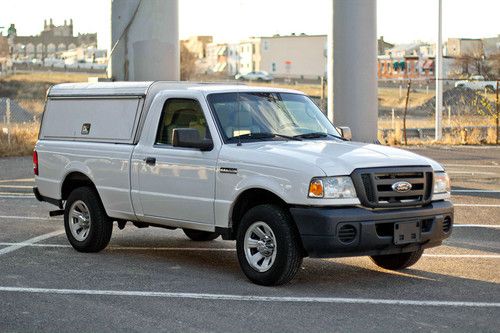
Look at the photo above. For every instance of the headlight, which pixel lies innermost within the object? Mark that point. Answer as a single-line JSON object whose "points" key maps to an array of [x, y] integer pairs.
{"points": [[332, 188], [441, 182]]}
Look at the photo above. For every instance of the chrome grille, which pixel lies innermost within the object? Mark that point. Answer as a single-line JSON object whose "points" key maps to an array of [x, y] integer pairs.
{"points": [[374, 186]]}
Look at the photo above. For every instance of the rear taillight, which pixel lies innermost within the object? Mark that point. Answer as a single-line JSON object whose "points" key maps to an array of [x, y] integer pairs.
{"points": [[35, 162]]}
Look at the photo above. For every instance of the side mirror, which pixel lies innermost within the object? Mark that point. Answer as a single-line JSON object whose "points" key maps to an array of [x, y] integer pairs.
{"points": [[190, 138], [346, 133]]}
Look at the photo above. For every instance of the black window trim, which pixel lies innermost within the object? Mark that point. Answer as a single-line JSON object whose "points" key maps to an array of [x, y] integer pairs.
{"points": [[156, 144]]}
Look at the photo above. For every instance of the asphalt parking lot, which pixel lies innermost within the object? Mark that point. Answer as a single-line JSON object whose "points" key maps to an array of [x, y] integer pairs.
{"points": [[157, 280]]}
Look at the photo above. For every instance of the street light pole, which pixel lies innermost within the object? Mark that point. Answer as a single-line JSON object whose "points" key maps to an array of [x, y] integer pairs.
{"points": [[439, 74]]}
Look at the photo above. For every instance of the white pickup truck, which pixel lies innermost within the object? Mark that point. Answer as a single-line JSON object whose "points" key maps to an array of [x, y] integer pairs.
{"points": [[477, 82], [257, 165]]}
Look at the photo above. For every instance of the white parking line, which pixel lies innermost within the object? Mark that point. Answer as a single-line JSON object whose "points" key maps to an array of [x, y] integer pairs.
{"points": [[36, 245], [18, 180], [475, 191], [475, 256], [249, 298], [17, 194], [16, 186], [475, 205], [494, 226], [472, 165], [30, 241], [16, 217], [472, 173]]}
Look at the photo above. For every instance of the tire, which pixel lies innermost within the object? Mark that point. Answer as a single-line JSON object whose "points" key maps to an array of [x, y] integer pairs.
{"points": [[281, 251], [398, 261], [90, 228], [200, 236]]}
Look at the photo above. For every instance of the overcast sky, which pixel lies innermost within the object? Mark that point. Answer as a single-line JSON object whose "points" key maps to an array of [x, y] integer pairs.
{"points": [[399, 21]]}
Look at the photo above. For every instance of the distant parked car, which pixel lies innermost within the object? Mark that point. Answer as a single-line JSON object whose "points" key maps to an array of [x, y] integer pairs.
{"points": [[255, 76], [477, 82]]}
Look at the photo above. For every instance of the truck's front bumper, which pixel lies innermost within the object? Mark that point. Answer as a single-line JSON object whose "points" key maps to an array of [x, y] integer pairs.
{"points": [[371, 231]]}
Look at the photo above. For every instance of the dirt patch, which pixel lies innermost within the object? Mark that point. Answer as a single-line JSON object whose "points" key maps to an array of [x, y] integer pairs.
{"points": [[462, 101]]}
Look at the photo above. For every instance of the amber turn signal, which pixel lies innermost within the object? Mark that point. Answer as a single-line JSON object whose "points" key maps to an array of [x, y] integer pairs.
{"points": [[316, 188]]}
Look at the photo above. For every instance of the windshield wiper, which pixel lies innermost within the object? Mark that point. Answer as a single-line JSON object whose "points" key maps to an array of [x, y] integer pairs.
{"points": [[316, 135], [264, 135]]}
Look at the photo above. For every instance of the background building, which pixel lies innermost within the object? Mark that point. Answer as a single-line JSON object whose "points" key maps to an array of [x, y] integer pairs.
{"points": [[4, 54], [197, 45], [50, 43], [295, 56], [458, 47]]}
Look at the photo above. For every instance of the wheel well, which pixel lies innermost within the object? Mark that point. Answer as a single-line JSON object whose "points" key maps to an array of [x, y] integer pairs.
{"points": [[249, 199], [74, 180]]}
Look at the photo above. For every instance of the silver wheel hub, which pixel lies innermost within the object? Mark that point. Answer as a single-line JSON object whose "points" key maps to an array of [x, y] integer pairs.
{"points": [[79, 220], [260, 246], [265, 246]]}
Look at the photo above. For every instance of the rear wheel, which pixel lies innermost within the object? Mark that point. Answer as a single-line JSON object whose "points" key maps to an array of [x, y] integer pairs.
{"points": [[268, 246], [200, 236], [87, 226], [398, 261]]}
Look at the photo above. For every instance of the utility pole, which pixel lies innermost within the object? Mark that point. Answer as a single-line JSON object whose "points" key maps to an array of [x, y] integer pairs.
{"points": [[439, 74]]}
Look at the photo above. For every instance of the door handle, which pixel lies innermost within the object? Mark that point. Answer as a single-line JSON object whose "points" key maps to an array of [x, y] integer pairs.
{"points": [[150, 160]]}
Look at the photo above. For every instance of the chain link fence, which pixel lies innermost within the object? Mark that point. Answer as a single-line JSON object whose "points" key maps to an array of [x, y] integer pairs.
{"points": [[407, 111], [19, 125], [470, 113]]}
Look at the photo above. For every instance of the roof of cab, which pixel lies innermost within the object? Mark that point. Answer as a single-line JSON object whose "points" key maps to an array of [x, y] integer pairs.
{"points": [[142, 88]]}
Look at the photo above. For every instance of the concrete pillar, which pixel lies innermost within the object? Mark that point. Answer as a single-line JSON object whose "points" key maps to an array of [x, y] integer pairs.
{"points": [[144, 40], [355, 67]]}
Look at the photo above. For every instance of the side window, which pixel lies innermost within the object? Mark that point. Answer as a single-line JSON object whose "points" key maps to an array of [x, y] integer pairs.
{"points": [[180, 113]]}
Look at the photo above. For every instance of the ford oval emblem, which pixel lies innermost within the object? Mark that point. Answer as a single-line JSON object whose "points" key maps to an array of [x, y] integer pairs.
{"points": [[401, 187]]}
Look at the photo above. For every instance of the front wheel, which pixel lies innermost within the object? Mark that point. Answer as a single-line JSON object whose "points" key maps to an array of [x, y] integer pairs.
{"points": [[268, 246], [87, 226], [200, 236], [398, 261]]}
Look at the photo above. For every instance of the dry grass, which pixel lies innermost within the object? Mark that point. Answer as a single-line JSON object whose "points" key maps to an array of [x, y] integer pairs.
{"points": [[22, 140], [390, 98], [308, 89], [453, 121], [51, 77], [33, 105], [387, 97], [459, 136]]}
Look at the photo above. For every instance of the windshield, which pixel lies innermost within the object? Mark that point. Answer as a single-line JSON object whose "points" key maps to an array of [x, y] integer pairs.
{"points": [[266, 116]]}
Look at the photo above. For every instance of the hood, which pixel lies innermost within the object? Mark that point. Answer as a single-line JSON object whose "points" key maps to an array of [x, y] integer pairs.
{"points": [[334, 158]]}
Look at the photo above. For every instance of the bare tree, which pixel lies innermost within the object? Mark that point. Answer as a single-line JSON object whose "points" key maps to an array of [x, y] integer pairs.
{"points": [[494, 65], [188, 63], [473, 62]]}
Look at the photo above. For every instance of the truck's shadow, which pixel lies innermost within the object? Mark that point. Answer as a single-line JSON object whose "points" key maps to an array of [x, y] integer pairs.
{"points": [[484, 239], [323, 278]]}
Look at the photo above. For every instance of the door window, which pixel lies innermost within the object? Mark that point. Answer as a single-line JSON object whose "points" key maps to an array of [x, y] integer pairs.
{"points": [[181, 113]]}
